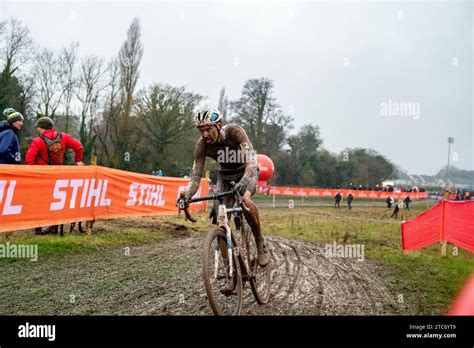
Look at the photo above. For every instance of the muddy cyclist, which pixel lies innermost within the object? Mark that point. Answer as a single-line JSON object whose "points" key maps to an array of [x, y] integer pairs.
{"points": [[230, 146]]}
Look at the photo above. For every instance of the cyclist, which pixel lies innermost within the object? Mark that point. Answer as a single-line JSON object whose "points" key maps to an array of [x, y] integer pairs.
{"points": [[230, 146]]}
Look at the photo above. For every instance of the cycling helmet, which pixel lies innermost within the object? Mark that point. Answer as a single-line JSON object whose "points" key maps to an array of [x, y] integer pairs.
{"points": [[207, 117]]}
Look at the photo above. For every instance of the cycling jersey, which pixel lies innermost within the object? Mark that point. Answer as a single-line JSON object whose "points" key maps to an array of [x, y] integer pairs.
{"points": [[235, 157]]}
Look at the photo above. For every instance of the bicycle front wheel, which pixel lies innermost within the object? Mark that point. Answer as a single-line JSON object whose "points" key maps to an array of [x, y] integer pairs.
{"points": [[224, 290]]}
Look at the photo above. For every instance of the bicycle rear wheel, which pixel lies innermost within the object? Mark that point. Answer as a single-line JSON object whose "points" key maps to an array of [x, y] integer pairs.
{"points": [[216, 274]]}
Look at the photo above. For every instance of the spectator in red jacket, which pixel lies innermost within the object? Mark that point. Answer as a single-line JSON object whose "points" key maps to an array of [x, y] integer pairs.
{"points": [[50, 147]]}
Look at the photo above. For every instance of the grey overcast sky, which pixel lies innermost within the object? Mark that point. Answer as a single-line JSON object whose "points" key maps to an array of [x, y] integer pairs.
{"points": [[334, 64]]}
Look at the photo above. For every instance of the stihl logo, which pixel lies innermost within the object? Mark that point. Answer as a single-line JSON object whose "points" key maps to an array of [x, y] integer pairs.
{"points": [[145, 194], [86, 189], [7, 190]]}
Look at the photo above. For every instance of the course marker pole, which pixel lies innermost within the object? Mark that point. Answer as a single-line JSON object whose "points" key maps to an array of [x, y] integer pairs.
{"points": [[89, 223], [443, 241]]}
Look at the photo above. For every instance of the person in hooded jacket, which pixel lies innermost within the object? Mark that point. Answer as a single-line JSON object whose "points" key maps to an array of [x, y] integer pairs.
{"points": [[9, 144]]}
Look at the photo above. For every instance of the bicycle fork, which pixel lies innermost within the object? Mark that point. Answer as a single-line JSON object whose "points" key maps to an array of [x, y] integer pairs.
{"points": [[223, 222]]}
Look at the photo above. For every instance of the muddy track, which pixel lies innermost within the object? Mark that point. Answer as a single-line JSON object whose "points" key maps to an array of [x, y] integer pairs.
{"points": [[165, 279]]}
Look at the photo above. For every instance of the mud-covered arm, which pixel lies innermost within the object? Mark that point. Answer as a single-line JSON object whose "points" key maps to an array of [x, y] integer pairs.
{"points": [[196, 173], [251, 169]]}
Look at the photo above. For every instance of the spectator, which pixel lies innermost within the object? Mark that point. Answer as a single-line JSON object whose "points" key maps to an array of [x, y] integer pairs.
{"points": [[9, 144], [266, 190], [398, 206], [407, 202], [337, 198], [350, 198], [50, 147], [446, 195], [389, 201]]}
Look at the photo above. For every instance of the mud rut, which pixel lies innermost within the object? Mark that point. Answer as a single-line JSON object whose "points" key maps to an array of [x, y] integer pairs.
{"points": [[164, 278]]}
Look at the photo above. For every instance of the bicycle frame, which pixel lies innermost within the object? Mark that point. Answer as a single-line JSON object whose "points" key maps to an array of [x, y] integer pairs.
{"points": [[223, 221]]}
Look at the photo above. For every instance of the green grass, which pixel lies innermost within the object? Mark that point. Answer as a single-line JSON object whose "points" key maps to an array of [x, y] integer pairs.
{"points": [[100, 239], [428, 278]]}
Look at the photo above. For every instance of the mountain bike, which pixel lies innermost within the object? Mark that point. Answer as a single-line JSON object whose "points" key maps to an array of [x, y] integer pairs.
{"points": [[230, 257]]}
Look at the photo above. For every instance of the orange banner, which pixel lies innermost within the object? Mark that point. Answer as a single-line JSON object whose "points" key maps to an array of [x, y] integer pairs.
{"points": [[35, 196], [318, 192]]}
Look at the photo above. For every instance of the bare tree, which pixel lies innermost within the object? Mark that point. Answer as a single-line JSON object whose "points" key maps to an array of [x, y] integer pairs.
{"points": [[48, 87], [2, 27], [17, 44], [90, 87], [26, 93], [130, 56], [67, 61], [223, 104], [113, 100], [107, 130]]}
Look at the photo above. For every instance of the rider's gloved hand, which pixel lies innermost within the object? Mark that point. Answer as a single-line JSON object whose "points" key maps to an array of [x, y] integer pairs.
{"points": [[182, 202], [241, 186]]}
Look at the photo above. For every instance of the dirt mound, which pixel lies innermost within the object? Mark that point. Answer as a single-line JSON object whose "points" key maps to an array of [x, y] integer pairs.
{"points": [[165, 279]]}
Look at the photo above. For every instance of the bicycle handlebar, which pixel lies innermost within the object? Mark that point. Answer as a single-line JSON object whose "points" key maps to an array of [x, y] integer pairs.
{"points": [[183, 205]]}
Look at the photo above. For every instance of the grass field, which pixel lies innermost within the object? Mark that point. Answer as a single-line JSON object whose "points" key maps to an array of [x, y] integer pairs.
{"points": [[421, 277]]}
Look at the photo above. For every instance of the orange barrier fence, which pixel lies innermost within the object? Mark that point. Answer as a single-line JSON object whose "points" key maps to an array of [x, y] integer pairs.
{"points": [[34, 196], [447, 221], [318, 192]]}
